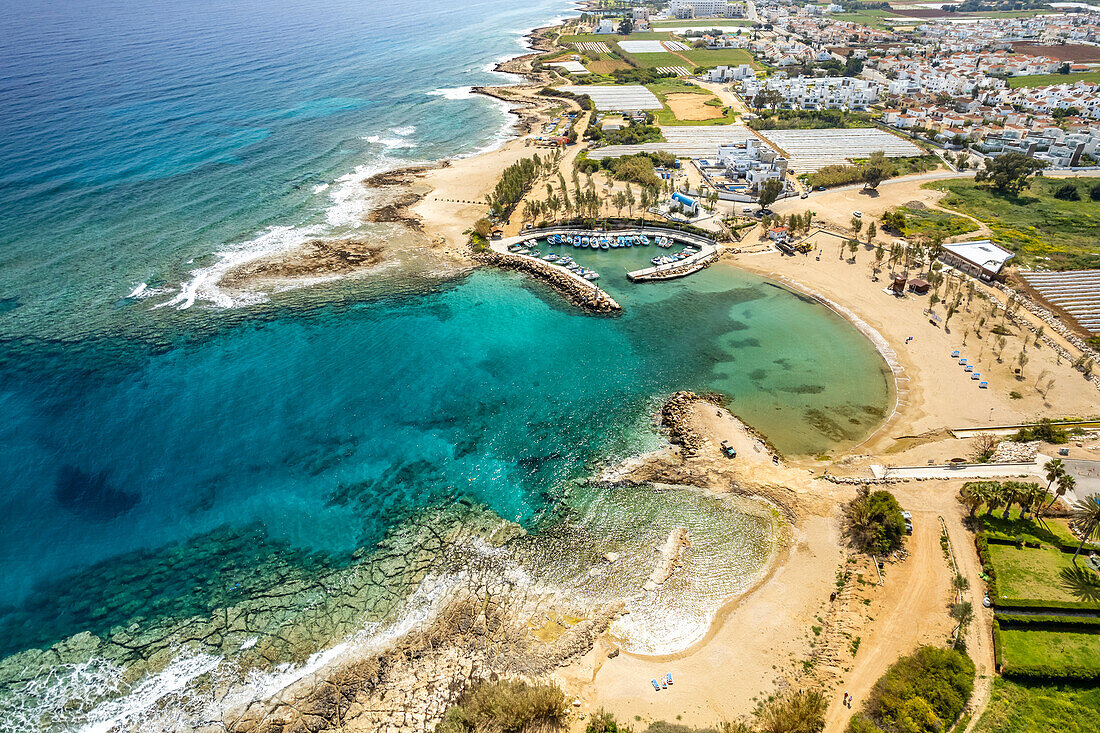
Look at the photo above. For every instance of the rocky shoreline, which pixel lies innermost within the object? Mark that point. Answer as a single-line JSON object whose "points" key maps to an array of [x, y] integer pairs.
{"points": [[590, 299]]}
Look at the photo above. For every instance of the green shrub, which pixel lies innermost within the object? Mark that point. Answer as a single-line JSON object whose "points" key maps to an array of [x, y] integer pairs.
{"points": [[874, 523], [508, 706], [925, 691], [1012, 619]]}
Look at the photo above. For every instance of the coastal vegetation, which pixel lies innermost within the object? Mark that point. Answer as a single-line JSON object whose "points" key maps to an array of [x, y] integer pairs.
{"points": [[870, 171], [797, 119], [513, 183], [920, 221], [506, 706], [873, 522], [1041, 228], [925, 691]]}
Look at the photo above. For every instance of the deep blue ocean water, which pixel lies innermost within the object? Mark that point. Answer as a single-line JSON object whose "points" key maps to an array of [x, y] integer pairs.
{"points": [[140, 138]]}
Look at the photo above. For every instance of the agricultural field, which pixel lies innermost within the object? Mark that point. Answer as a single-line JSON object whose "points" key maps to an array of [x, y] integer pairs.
{"points": [[1017, 707], [1045, 232], [1046, 80], [871, 18], [1031, 573], [687, 104], [719, 57], [1061, 649], [657, 60]]}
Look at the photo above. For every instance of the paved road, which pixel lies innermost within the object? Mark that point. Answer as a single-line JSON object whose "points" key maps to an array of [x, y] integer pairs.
{"points": [[969, 471], [1086, 474]]}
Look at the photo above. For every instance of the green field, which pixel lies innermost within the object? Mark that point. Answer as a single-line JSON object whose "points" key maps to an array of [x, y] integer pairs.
{"points": [[657, 60], [676, 86], [1040, 708], [1046, 80], [930, 222], [873, 18], [1059, 649], [1031, 573], [1040, 229], [719, 57]]}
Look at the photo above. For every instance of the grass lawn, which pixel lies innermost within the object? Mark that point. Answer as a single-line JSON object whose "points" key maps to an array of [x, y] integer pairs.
{"points": [[1031, 573], [1028, 530], [1042, 230], [1040, 708], [1046, 80], [1054, 648], [930, 222]]}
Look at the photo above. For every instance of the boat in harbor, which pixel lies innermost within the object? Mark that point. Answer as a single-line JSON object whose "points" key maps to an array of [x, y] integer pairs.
{"points": [[605, 245], [591, 276]]}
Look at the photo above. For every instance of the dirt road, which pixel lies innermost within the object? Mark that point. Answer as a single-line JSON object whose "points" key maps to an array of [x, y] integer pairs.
{"points": [[911, 608]]}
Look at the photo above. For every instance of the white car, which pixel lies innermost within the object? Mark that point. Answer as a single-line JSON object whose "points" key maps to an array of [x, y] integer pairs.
{"points": [[857, 214]]}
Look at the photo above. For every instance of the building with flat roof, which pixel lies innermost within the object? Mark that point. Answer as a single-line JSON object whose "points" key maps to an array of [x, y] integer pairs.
{"points": [[705, 9], [980, 258]]}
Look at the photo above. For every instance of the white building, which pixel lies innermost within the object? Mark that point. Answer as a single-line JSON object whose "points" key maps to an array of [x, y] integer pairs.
{"points": [[705, 9], [606, 26], [640, 13], [980, 258], [827, 92], [752, 161], [727, 73]]}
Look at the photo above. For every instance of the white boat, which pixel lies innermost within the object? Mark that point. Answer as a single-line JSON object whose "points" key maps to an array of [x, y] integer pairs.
{"points": [[591, 276]]}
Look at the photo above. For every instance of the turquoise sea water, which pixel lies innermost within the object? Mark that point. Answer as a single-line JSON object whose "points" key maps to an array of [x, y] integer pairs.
{"points": [[161, 463]]}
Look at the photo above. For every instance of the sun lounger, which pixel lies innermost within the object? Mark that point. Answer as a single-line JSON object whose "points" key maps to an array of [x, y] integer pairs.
{"points": [[976, 375], [656, 686], [668, 678], [983, 385], [954, 355]]}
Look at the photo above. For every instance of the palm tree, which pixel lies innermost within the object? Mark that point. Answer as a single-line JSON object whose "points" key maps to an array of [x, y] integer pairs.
{"points": [[1055, 470], [970, 495], [1086, 520], [1065, 483]]}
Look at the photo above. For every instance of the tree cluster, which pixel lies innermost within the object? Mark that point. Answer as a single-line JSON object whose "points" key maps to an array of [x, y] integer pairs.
{"points": [[873, 522], [1009, 173], [924, 692]]}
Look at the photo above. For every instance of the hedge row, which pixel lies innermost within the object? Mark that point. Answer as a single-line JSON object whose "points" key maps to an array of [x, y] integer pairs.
{"points": [[1000, 538], [1048, 672], [1015, 620], [982, 546], [1008, 603]]}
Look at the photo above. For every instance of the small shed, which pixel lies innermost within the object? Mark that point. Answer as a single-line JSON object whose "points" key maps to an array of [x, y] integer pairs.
{"points": [[918, 286], [899, 284], [497, 232]]}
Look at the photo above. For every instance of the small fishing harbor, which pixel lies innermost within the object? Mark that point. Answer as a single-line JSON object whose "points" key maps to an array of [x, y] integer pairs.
{"points": [[576, 252]]}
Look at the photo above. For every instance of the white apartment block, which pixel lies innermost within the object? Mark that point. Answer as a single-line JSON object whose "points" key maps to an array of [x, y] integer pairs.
{"points": [[705, 9], [828, 92], [728, 73]]}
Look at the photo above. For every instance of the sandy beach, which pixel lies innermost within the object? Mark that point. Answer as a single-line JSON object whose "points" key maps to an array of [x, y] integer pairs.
{"points": [[820, 616]]}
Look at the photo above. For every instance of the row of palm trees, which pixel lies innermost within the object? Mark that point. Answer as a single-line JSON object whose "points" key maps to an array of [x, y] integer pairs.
{"points": [[1032, 499]]}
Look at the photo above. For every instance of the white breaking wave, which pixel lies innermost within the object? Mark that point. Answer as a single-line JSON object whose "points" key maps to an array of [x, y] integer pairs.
{"points": [[174, 679], [453, 93], [349, 202]]}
